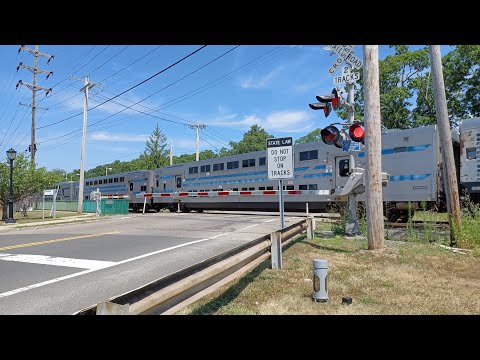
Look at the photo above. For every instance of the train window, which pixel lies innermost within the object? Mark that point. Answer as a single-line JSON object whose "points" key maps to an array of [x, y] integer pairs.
{"points": [[262, 161], [110, 180], [205, 168], [261, 188], [302, 187], [95, 182], [269, 187], [244, 189], [312, 187], [86, 183], [164, 186], [344, 167], [309, 155], [471, 153], [251, 188], [122, 179], [100, 182], [248, 163], [235, 189], [86, 197], [115, 180], [218, 167], [290, 187], [131, 186], [143, 188], [193, 170], [400, 149], [232, 165], [178, 180]]}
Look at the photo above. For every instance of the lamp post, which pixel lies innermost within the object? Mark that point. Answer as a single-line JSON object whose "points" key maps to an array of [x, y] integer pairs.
{"points": [[106, 170], [12, 154]]}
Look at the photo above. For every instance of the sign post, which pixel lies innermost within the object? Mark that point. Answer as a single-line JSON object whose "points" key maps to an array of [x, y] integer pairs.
{"points": [[46, 193], [280, 166]]}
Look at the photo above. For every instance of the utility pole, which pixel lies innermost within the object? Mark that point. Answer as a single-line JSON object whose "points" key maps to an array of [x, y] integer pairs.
{"points": [[198, 127], [87, 85], [171, 153], [453, 201], [373, 142], [34, 88]]}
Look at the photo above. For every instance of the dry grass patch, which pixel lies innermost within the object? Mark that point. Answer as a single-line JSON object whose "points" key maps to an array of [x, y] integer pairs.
{"points": [[402, 278]]}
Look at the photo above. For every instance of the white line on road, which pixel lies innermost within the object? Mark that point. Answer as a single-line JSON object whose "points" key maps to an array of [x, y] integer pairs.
{"points": [[57, 261], [33, 286]]}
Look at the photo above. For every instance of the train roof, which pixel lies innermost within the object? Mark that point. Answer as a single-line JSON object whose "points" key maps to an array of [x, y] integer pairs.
{"points": [[470, 123]]}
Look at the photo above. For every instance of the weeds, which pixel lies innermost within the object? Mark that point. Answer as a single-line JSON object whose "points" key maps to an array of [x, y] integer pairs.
{"points": [[468, 236]]}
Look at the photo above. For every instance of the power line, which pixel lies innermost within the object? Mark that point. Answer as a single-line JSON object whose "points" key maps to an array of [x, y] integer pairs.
{"points": [[131, 88]]}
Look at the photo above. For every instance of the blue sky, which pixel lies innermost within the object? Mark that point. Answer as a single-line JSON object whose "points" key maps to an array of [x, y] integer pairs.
{"points": [[269, 85]]}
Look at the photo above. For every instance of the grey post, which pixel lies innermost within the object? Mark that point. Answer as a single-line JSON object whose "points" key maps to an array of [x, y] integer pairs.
{"points": [[310, 227], [453, 201], [54, 203], [43, 206], [351, 227], [280, 200], [276, 250], [109, 308]]}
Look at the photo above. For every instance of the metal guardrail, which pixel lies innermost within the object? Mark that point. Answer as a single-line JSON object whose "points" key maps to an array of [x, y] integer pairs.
{"points": [[177, 290]]}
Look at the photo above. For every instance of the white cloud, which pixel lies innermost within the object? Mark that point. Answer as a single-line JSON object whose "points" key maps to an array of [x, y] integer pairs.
{"points": [[261, 82], [284, 121], [106, 136]]}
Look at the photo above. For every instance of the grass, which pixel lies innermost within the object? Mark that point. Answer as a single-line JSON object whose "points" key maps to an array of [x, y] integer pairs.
{"points": [[402, 278], [36, 216]]}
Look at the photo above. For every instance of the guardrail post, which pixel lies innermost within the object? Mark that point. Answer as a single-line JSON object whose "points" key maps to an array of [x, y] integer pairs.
{"points": [[276, 250], [310, 227], [109, 308]]}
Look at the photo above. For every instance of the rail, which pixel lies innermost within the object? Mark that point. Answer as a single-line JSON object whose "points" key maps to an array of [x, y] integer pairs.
{"points": [[177, 290]]}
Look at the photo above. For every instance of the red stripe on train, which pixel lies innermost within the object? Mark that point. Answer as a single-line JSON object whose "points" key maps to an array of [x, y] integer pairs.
{"points": [[269, 192], [245, 193], [202, 194], [294, 192], [223, 193]]}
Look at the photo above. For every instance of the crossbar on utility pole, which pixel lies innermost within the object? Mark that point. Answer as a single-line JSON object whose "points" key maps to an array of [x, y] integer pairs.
{"points": [[81, 183], [453, 200], [373, 143], [198, 127], [34, 88]]}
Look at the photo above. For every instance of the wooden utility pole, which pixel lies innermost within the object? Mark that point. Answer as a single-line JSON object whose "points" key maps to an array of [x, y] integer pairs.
{"points": [[34, 87], [373, 142], [453, 201]]}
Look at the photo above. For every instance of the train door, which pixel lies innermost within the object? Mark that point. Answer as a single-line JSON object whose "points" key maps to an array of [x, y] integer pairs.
{"points": [[178, 183], [342, 171]]}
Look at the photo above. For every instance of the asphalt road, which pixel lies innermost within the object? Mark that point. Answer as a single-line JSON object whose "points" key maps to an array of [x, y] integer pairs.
{"points": [[64, 268]]}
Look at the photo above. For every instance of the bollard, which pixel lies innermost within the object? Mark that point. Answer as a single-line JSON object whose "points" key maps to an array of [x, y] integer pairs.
{"points": [[320, 272]]}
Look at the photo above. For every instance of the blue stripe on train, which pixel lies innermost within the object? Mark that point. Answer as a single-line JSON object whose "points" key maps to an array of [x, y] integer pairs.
{"points": [[409, 177], [392, 151]]}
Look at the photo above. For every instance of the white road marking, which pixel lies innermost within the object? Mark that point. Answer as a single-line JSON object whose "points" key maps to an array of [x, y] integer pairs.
{"points": [[57, 261], [37, 285], [126, 217]]}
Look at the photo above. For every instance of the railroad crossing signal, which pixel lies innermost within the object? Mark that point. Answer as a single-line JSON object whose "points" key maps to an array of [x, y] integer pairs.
{"points": [[327, 102]]}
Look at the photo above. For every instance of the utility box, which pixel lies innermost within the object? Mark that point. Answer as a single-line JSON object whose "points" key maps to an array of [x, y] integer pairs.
{"points": [[320, 272]]}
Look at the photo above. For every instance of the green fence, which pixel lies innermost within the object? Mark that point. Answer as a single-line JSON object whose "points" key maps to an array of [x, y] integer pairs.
{"points": [[107, 206]]}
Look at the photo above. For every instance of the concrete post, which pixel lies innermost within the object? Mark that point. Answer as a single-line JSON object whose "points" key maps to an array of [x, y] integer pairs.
{"points": [[276, 250]]}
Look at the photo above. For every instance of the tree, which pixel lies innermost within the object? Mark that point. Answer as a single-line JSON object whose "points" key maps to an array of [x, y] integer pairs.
{"points": [[155, 154], [310, 137], [27, 180], [253, 140]]}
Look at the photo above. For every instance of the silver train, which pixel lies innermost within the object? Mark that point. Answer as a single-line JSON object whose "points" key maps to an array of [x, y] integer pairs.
{"points": [[411, 157]]}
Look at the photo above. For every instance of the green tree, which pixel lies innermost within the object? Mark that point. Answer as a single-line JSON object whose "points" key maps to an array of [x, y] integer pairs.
{"points": [[155, 154], [27, 180], [310, 137], [253, 140]]}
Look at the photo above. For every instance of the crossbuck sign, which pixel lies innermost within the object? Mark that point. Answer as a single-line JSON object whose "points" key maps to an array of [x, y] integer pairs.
{"points": [[280, 158], [345, 53]]}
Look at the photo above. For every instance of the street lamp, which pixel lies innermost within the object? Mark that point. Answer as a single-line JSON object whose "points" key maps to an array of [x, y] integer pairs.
{"points": [[12, 154], [106, 170]]}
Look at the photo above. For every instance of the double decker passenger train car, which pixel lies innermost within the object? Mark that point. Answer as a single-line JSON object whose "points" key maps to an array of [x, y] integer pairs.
{"points": [[411, 157]]}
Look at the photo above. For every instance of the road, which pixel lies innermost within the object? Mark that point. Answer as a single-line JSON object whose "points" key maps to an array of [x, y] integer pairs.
{"points": [[62, 269]]}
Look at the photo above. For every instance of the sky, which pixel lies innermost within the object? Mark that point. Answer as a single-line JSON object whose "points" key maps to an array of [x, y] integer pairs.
{"points": [[228, 88]]}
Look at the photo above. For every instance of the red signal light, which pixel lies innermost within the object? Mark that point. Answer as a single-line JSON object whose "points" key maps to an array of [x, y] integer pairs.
{"points": [[357, 132], [331, 136]]}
